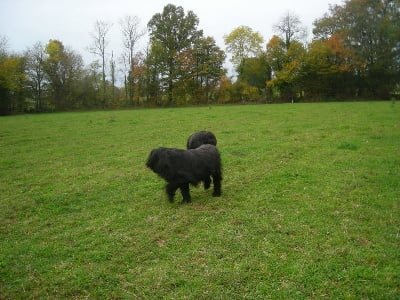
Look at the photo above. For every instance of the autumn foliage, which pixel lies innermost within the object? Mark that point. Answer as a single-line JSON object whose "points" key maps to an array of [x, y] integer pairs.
{"points": [[354, 54]]}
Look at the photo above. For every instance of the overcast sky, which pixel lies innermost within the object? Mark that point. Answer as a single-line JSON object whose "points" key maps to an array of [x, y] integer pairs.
{"points": [[25, 22]]}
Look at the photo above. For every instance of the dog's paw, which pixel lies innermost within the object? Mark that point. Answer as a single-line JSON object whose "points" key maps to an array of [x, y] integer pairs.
{"points": [[216, 194]]}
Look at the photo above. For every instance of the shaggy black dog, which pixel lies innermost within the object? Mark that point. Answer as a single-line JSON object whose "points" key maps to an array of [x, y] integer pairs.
{"points": [[183, 167], [201, 138]]}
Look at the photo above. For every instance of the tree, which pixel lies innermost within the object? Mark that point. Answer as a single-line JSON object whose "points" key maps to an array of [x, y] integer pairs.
{"points": [[112, 73], [139, 78], [3, 47], [205, 66], [63, 68], [371, 32], [224, 90], [98, 47], [255, 71], [242, 43], [12, 81], [276, 53], [290, 29], [173, 32], [286, 66], [35, 60], [154, 67], [244, 92], [326, 72], [131, 35], [329, 24], [90, 86]]}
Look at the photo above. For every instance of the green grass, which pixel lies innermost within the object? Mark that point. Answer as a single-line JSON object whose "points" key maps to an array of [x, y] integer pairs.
{"points": [[310, 205]]}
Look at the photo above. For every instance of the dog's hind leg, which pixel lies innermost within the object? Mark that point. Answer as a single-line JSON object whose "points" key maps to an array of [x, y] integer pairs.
{"points": [[171, 189], [185, 192]]}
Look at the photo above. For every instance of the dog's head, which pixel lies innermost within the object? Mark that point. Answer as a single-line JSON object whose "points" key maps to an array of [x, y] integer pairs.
{"points": [[158, 161], [153, 159]]}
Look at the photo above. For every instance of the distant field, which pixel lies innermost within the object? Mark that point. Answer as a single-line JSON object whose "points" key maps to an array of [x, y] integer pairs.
{"points": [[310, 205]]}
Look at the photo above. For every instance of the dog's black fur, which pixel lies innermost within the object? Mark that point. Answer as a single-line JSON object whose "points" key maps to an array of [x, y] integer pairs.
{"points": [[201, 138], [183, 167]]}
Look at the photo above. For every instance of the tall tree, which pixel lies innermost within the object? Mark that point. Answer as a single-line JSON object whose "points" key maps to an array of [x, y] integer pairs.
{"points": [[370, 29], [175, 32], [63, 68], [35, 60], [112, 73], [276, 54], [131, 34], [242, 43], [92, 86], [202, 68], [326, 71], [12, 81], [209, 66], [154, 66], [255, 71], [290, 29], [286, 66], [99, 47]]}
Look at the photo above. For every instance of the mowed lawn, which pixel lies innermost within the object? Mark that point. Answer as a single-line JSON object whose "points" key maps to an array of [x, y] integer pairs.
{"points": [[310, 205]]}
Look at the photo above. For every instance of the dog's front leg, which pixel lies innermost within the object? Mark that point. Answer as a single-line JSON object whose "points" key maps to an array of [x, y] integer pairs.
{"points": [[185, 192], [217, 185], [171, 189]]}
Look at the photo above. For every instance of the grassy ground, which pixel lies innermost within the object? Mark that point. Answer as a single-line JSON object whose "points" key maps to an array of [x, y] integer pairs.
{"points": [[310, 205]]}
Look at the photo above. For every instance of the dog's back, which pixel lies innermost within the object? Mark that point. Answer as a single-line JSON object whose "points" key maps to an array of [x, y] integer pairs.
{"points": [[201, 138], [208, 159], [207, 152]]}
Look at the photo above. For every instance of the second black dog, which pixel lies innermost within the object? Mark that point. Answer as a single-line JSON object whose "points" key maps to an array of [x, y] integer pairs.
{"points": [[183, 167], [201, 138]]}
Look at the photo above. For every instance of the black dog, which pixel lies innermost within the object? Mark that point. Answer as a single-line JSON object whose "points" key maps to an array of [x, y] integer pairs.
{"points": [[183, 167], [201, 138]]}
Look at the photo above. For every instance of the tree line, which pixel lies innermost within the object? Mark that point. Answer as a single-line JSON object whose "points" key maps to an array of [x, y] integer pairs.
{"points": [[354, 53]]}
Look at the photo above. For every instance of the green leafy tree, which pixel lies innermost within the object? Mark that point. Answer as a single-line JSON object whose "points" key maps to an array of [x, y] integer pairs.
{"points": [[12, 82], [63, 69], [153, 69], [206, 64], [285, 83], [255, 71], [243, 92], [243, 43], [370, 29], [327, 70], [276, 53], [172, 32], [90, 86]]}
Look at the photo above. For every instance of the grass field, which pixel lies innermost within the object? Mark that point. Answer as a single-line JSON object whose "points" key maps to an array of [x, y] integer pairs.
{"points": [[310, 205]]}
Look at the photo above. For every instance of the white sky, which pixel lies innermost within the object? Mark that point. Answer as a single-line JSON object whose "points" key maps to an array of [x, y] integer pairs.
{"points": [[25, 22]]}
